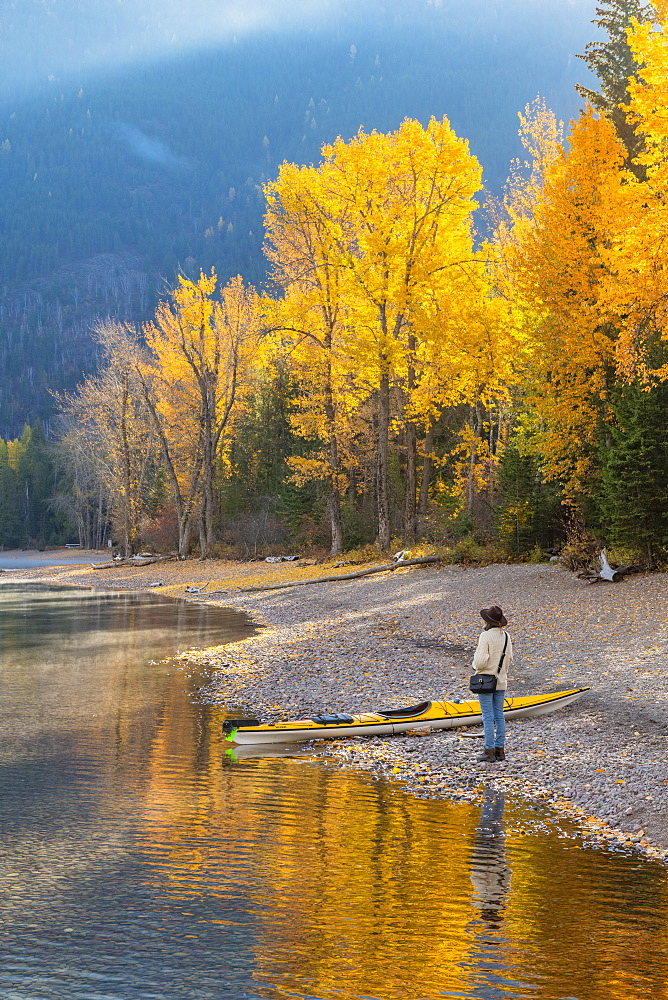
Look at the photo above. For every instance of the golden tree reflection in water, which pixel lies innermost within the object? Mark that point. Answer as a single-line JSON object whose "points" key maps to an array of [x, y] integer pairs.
{"points": [[352, 888]]}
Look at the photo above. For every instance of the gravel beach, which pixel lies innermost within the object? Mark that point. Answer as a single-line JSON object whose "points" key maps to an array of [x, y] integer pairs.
{"points": [[397, 638]]}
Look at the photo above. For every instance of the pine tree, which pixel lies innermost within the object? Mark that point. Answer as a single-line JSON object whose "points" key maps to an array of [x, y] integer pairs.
{"points": [[635, 472], [528, 511], [614, 64], [10, 535], [35, 473]]}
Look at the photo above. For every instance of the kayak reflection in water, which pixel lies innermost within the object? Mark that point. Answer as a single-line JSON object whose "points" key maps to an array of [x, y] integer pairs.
{"points": [[490, 873]]}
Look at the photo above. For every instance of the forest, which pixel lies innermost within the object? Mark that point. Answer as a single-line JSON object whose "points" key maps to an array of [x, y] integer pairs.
{"points": [[401, 381]]}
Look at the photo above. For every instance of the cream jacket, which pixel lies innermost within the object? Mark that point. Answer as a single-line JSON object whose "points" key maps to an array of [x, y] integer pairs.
{"points": [[488, 655]]}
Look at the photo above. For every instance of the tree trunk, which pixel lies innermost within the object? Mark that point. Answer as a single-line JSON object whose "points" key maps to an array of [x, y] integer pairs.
{"points": [[203, 548], [607, 572], [410, 509], [207, 536], [493, 450], [383, 463], [207, 386], [476, 427], [127, 480], [333, 500], [185, 528], [334, 510], [100, 529], [427, 467], [402, 564], [183, 505]]}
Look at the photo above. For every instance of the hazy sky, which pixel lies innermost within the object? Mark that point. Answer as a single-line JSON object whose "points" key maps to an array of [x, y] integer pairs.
{"points": [[65, 38]]}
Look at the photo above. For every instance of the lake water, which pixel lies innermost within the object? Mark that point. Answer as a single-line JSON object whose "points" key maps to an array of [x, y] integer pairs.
{"points": [[139, 860], [30, 559]]}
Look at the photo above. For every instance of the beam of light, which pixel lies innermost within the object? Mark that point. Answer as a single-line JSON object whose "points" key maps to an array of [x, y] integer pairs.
{"points": [[62, 39], [59, 39]]}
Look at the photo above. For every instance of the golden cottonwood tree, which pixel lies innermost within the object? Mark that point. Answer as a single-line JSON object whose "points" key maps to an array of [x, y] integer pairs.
{"points": [[201, 351], [467, 353], [394, 213], [310, 320], [553, 266], [637, 254], [407, 202], [110, 440]]}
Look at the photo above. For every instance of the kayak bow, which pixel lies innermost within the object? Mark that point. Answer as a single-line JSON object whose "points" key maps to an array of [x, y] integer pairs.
{"points": [[386, 722]]}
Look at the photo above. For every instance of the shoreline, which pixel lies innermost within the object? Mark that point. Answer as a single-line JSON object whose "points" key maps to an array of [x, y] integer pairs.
{"points": [[398, 638]]}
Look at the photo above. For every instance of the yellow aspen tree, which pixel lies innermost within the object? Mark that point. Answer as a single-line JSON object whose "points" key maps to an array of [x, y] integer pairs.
{"points": [[637, 253], [311, 317], [15, 450], [407, 198], [542, 137], [552, 266], [323, 415], [468, 353], [201, 352], [395, 211]]}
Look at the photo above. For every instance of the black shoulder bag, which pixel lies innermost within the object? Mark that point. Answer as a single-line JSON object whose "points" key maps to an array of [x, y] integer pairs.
{"points": [[486, 683]]}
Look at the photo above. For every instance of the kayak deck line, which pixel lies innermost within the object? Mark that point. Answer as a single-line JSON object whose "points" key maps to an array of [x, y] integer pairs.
{"points": [[387, 722]]}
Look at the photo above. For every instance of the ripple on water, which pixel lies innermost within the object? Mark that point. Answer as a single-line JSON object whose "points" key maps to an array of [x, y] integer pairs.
{"points": [[137, 861]]}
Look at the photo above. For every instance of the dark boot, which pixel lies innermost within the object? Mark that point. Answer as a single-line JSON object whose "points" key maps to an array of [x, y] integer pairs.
{"points": [[487, 756], [500, 753]]}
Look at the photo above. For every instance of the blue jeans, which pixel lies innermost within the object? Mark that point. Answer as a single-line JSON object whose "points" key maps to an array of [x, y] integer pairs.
{"points": [[491, 706]]}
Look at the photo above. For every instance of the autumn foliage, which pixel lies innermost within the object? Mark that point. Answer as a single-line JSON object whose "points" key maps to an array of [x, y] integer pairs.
{"points": [[372, 250], [404, 379]]}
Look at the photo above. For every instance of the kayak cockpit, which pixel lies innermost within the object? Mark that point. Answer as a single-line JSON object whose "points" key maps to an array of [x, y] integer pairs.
{"points": [[405, 713], [331, 718]]}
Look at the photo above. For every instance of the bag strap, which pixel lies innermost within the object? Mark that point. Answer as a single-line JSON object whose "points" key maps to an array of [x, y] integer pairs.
{"points": [[502, 655]]}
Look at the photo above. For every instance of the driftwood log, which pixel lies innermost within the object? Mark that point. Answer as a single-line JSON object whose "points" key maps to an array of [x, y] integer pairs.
{"points": [[388, 568], [132, 561], [607, 572]]}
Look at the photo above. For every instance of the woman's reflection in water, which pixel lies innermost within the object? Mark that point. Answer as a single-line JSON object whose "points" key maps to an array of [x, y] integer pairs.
{"points": [[490, 873]]}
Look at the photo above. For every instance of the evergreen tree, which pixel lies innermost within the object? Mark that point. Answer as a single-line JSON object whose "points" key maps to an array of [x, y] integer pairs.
{"points": [[9, 519], [28, 517], [528, 510], [35, 474], [259, 504], [613, 63], [634, 485]]}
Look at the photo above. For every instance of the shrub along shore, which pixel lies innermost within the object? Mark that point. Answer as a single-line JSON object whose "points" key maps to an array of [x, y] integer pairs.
{"points": [[396, 638]]}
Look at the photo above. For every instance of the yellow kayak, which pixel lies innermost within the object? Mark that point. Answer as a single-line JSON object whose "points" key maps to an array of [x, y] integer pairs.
{"points": [[426, 715]]}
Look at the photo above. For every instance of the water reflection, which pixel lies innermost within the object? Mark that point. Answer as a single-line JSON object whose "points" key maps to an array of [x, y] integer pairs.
{"points": [[38, 616], [490, 872], [347, 882], [250, 751], [137, 860]]}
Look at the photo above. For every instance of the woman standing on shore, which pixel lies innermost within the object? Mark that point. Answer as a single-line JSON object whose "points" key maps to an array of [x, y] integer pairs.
{"points": [[493, 656]]}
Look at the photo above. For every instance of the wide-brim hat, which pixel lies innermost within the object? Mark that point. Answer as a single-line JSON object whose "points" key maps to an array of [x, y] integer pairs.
{"points": [[494, 615]]}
